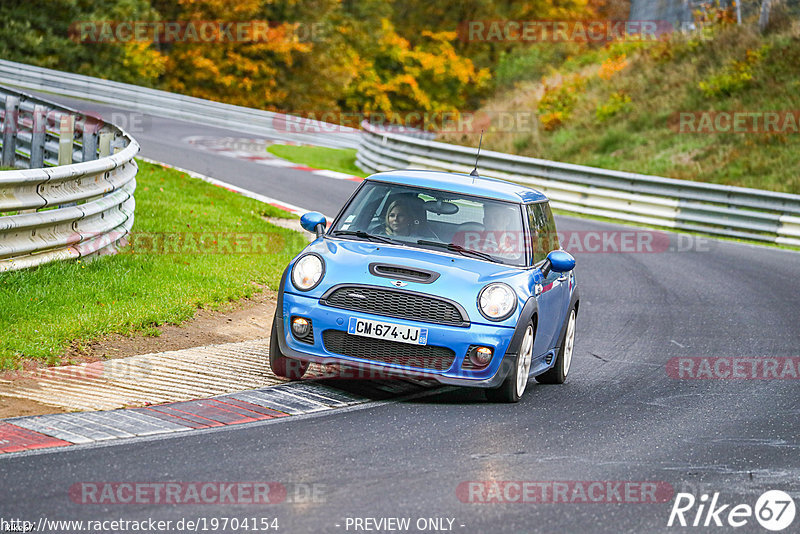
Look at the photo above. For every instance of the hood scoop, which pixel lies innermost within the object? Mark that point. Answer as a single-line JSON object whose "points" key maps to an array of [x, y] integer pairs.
{"points": [[400, 272]]}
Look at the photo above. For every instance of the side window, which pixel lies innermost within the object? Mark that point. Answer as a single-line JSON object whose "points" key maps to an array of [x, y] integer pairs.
{"points": [[544, 237]]}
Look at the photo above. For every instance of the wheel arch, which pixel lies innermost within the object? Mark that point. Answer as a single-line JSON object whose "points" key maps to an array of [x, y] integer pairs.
{"points": [[530, 312], [574, 302]]}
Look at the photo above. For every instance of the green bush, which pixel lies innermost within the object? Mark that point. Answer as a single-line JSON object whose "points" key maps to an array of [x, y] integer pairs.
{"points": [[528, 64], [558, 103], [734, 76], [617, 103]]}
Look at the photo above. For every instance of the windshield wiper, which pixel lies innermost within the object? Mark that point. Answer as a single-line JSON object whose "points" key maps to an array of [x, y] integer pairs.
{"points": [[364, 235], [457, 248]]}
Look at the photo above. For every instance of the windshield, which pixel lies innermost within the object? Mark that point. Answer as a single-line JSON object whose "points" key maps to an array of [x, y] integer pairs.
{"points": [[451, 222]]}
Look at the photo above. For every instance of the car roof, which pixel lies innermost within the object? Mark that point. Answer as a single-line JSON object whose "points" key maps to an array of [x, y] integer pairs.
{"points": [[461, 183]]}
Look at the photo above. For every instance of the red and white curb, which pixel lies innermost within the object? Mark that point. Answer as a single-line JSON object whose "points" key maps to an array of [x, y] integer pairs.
{"points": [[255, 151], [283, 401]]}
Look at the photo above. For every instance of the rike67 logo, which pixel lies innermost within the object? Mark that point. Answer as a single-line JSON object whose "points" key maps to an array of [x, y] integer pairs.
{"points": [[774, 510]]}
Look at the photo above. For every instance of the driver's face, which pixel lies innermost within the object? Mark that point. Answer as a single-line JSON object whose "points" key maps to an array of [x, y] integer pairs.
{"points": [[397, 219]]}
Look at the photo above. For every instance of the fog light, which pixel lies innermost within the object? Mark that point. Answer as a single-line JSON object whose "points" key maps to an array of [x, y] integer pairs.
{"points": [[481, 356], [300, 326]]}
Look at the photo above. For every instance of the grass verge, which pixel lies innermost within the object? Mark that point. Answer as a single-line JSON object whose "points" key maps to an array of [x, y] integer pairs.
{"points": [[194, 245], [333, 159]]}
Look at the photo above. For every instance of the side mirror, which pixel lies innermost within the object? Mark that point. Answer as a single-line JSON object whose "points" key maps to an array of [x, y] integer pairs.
{"points": [[558, 261], [313, 221]]}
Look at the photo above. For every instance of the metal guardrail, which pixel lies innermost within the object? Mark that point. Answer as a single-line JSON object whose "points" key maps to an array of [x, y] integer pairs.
{"points": [[693, 206], [681, 204], [71, 195], [180, 107]]}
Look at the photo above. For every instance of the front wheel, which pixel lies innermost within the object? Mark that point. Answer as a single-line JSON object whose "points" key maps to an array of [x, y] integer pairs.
{"points": [[514, 385], [281, 365], [558, 373]]}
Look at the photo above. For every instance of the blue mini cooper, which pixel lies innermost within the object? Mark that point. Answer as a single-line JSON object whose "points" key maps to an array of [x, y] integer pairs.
{"points": [[428, 274]]}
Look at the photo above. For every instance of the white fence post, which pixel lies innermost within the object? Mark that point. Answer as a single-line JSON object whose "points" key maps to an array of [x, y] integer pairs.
{"points": [[91, 126], [10, 131], [38, 137], [66, 135], [105, 144]]}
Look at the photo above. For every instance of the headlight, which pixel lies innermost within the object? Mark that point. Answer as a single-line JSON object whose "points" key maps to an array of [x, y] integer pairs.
{"points": [[497, 301], [307, 272]]}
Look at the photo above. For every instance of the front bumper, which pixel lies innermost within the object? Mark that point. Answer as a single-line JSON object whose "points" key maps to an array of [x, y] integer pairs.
{"points": [[458, 339]]}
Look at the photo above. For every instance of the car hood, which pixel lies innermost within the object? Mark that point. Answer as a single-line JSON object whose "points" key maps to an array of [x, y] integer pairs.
{"points": [[460, 277]]}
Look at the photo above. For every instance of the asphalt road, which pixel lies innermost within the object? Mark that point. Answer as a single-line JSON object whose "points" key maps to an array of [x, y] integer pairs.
{"points": [[165, 140], [619, 417]]}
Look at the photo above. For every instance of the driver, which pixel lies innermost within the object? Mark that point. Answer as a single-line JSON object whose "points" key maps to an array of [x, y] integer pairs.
{"points": [[398, 219]]}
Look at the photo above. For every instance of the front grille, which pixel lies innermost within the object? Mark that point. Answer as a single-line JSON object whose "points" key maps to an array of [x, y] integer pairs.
{"points": [[380, 350], [396, 303]]}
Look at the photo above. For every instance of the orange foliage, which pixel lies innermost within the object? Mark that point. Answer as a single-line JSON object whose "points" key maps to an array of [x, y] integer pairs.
{"points": [[428, 77], [611, 66], [244, 73]]}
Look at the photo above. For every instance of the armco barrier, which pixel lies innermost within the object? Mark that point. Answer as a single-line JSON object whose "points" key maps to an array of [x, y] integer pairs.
{"points": [[694, 206], [180, 107], [50, 207]]}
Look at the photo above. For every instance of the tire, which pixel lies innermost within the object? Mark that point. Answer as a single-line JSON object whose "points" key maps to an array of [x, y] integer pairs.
{"points": [[558, 373], [281, 365], [514, 385]]}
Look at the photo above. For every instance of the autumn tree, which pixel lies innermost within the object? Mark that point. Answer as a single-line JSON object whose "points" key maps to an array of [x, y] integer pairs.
{"points": [[412, 17], [41, 32], [318, 55], [351, 59], [396, 76], [245, 72]]}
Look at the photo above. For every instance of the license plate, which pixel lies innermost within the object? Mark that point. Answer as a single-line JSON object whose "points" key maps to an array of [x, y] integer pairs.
{"points": [[390, 331]]}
